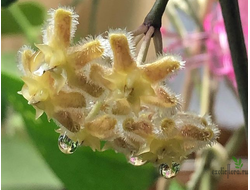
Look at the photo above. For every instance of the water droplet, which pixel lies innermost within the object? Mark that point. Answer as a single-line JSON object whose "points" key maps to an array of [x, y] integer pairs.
{"points": [[136, 161], [66, 145], [168, 172]]}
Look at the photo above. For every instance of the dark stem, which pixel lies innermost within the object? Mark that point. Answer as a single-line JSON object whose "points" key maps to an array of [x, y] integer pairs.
{"points": [[158, 42], [230, 11], [154, 16], [92, 20], [151, 28], [235, 142]]}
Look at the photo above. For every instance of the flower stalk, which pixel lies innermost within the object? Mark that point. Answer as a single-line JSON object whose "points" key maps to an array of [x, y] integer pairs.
{"points": [[145, 44], [231, 16], [151, 28], [154, 16]]}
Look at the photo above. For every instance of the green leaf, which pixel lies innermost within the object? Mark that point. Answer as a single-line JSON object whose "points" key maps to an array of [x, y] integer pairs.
{"points": [[4, 104], [9, 63], [237, 167], [6, 3], [234, 159], [239, 161], [33, 11], [175, 185], [241, 165], [84, 169], [236, 163], [31, 172]]}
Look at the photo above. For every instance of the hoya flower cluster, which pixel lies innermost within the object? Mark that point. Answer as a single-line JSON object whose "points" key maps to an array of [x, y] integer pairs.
{"points": [[96, 91]]}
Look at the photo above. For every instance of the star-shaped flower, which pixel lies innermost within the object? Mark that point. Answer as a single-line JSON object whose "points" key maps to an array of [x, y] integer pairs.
{"points": [[96, 91]]}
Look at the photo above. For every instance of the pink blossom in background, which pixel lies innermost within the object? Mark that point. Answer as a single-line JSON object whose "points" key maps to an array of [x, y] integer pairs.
{"points": [[217, 54], [243, 6], [217, 45]]}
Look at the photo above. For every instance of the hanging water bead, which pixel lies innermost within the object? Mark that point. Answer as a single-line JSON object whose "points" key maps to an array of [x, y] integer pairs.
{"points": [[136, 161], [66, 145], [169, 172]]}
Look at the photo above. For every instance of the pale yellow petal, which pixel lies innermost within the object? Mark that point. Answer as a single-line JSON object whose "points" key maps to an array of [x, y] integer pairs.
{"points": [[123, 60], [160, 69]]}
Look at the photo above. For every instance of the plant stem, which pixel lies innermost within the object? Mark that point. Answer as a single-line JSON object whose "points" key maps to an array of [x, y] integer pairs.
{"points": [[205, 93], [216, 156], [231, 148], [144, 46], [96, 108], [206, 180], [213, 88], [151, 22], [154, 16], [203, 165], [230, 12], [140, 30], [75, 3], [92, 19], [138, 38], [28, 30], [235, 141], [175, 20], [158, 42], [187, 90], [194, 15], [189, 81]]}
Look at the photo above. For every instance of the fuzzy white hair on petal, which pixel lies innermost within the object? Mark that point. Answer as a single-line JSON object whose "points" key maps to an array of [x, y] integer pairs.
{"points": [[19, 57], [48, 28], [129, 37]]}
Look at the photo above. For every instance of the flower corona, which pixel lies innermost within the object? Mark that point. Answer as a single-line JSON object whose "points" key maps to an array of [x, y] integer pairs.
{"points": [[96, 91]]}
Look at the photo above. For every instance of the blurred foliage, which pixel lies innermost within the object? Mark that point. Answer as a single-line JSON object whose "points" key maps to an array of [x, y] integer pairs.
{"points": [[8, 60], [9, 63], [34, 12], [6, 3], [4, 105], [175, 185], [15, 173]]}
